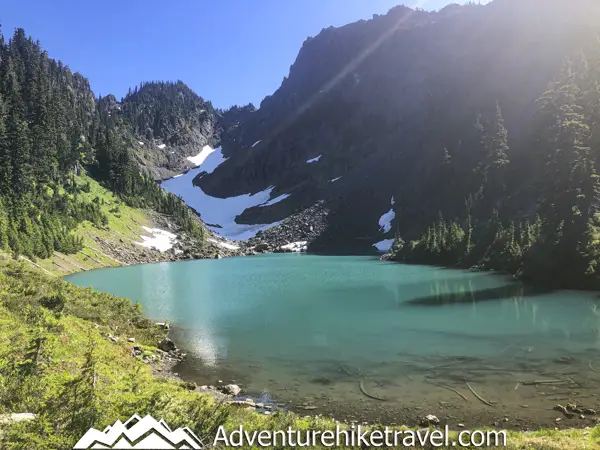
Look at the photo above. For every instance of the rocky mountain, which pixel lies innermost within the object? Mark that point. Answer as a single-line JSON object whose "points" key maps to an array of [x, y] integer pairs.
{"points": [[380, 120], [172, 124]]}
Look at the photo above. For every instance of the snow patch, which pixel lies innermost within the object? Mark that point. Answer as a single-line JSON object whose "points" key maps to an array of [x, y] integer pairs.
{"points": [[160, 240], [224, 244], [197, 160], [219, 213], [334, 180], [140, 142], [161, 146], [310, 161], [299, 246], [385, 221], [385, 245], [177, 176], [255, 144], [275, 200]]}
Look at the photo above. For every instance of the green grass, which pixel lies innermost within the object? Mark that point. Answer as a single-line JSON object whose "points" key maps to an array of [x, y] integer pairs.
{"points": [[56, 361], [124, 227]]}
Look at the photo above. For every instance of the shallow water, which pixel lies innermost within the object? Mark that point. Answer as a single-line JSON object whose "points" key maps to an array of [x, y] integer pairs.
{"points": [[307, 329]]}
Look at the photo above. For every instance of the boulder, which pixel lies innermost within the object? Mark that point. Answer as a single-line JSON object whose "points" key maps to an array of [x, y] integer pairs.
{"points": [[430, 419], [230, 389], [163, 325], [167, 345]]}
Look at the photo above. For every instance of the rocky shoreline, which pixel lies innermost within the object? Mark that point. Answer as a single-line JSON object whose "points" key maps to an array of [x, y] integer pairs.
{"points": [[438, 407], [294, 234]]}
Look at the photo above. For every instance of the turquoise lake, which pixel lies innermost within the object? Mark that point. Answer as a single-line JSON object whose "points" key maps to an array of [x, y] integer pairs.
{"points": [[305, 329]]}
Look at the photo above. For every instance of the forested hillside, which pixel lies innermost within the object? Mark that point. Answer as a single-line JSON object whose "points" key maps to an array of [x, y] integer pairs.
{"points": [[550, 230], [52, 129]]}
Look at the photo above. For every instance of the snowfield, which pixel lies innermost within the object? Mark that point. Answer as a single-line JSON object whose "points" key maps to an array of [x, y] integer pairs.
{"points": [[224, 244], [219, 213], [161, 146], [197, 160], [160, 240], [255, 144], [275, 200], [385, 245], [310, 161], [334, 180]]}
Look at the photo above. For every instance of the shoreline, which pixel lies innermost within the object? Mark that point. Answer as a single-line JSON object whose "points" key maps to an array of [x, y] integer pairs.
{"points": [[376, 406]]}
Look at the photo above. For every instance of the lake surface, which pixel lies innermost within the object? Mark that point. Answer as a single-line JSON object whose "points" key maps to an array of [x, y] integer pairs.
{"points": [[304, 329]]}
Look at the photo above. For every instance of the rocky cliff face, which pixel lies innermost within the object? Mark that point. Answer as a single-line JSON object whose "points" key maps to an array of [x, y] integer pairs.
{"points": [[370, 110]]}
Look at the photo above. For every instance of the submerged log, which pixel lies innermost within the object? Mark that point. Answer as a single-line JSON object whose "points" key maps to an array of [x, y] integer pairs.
{"points": [[374, 397], [448, 388], [536, 382], [478, 396]]}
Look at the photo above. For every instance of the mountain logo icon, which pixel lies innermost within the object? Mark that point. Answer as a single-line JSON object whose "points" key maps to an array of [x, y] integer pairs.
{"points": [[139, 433]]}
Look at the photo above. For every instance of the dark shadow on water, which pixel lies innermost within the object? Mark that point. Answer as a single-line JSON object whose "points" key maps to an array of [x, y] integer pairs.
{"points": [[483, 295]]}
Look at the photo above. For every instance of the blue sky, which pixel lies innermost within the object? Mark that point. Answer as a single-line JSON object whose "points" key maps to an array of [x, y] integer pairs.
{"points": [[228, 51]]}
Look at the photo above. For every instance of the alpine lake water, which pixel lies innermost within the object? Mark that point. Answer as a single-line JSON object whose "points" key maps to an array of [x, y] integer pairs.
{"points": [[361, 339]]}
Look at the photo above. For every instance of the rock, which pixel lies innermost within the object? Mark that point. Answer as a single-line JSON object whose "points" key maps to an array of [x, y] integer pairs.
{"points": [[189, 385], [167, 345], [430, 419], [564, 360], [17, 417], [563, 410], [590, 411], [461, 425], [131, 340], [113, 338], [163, 325], [262, 247], [230, 389]]}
